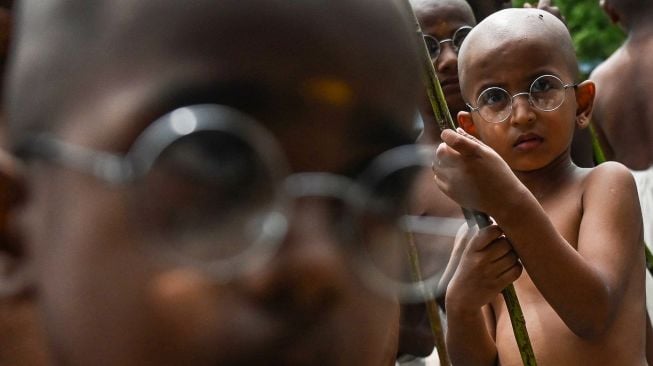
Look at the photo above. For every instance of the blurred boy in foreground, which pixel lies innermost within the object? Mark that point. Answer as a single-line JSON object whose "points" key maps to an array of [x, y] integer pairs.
{"points": [[190, 168]]}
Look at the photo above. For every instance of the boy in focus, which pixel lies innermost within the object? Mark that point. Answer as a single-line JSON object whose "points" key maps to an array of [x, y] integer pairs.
{"points": [[576, 232]]}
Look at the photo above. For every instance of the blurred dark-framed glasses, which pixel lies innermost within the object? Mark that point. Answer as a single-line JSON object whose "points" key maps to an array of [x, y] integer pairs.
{"points": [[208, 187], [434, 45], [546, 93]]}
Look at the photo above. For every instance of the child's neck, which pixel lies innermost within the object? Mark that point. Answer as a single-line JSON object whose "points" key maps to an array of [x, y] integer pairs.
{"points": [[543, 181], [640, 33]]}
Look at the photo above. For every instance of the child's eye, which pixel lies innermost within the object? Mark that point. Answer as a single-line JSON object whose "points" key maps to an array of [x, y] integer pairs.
{"points": [[546, 84], [541, 85], [493, 97]]}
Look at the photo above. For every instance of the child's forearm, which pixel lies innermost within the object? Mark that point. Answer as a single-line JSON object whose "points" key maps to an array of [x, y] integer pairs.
{"points": [[578, 292], [468, 339]]}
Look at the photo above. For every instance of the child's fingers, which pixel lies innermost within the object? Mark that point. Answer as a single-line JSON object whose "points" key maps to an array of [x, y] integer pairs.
{"points": [[507, 261], [485, 237], [497, 249], [461, 142], [511, 274], [445, 157]]}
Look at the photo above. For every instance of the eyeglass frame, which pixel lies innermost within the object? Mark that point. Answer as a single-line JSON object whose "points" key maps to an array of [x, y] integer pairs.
{"points": [[473, 109], [455, 48], [116, 169]]}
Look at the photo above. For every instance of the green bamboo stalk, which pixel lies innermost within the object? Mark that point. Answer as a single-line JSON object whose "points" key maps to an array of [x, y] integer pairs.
{"points": [[445, 121], [649, 258], [431, 305], [599, 157]]}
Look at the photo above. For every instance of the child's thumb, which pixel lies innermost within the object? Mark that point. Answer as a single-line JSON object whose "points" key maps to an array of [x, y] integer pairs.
{"points": [[462, 142]]}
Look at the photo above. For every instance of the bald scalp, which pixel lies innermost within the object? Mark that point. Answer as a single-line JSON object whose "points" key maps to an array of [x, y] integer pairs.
{"points": [[71, 50], [508, 27], [427, 6]]}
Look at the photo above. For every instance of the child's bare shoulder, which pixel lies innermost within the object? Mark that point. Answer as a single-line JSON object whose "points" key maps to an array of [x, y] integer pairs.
{"points": [[609, 175], [609, 190]]}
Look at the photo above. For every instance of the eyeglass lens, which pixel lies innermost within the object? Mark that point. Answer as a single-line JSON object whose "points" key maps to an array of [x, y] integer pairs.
{"points": [[210, 198], [206, 197], [546, 93], [434, 45]]}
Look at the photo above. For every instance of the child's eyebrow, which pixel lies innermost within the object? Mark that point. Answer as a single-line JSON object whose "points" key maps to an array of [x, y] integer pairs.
{"points": [[486, 85], [526, 81]]}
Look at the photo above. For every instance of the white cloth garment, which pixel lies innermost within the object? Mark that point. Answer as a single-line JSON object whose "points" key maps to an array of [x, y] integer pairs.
{"points": [[431, 360], [644, 181]]}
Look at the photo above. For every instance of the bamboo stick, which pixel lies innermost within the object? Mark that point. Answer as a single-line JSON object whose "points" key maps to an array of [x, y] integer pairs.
{"points": [[445, 121], [431, 305]]}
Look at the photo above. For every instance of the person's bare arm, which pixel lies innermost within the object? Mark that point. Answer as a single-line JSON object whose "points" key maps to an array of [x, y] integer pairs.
{"points": [[584, 286], [487, 265], [463, 236]]}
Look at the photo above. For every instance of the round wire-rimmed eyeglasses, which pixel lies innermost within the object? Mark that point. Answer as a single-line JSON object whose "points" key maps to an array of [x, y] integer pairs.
{"points": [[546, 93], [210, 188], [435, 46]]}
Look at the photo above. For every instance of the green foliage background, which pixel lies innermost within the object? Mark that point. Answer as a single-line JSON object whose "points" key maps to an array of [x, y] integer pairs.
{"points": [[595, 37]]}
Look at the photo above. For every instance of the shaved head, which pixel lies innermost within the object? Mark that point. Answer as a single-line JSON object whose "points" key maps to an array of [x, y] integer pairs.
{"points": [[72, 50], [427, 6], [493, 39]]}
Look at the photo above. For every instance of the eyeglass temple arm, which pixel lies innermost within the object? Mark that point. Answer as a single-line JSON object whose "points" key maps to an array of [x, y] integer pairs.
{"points": [[111, 168]]}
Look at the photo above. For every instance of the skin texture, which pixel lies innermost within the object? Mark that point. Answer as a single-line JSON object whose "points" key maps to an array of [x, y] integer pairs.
{"points": [[623, 113], [104, 300], [577, 232]]}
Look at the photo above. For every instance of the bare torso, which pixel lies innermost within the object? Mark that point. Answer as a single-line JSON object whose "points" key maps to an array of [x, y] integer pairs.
{"points": [[554, 343], [623, 113]]}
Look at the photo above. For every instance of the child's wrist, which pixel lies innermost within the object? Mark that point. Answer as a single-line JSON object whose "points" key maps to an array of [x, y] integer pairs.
{"points": [[512, 204], [461, 307]]}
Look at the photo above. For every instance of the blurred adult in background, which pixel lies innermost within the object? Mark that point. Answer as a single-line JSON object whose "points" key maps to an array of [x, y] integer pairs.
{"points": [[623, 116], [623, 113]]}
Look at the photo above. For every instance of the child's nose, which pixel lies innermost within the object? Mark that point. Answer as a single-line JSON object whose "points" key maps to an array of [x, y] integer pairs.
{"points": [[309, 275], [522, 109], [447, 61]]}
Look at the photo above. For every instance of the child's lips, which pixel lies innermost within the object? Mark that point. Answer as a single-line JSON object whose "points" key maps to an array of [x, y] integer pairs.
{"points": [[528, 141]]}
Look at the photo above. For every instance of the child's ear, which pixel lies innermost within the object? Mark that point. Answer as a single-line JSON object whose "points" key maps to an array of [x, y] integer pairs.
{"points": [[15, 271], [609, 11], [466, 122], [585, 93]]}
